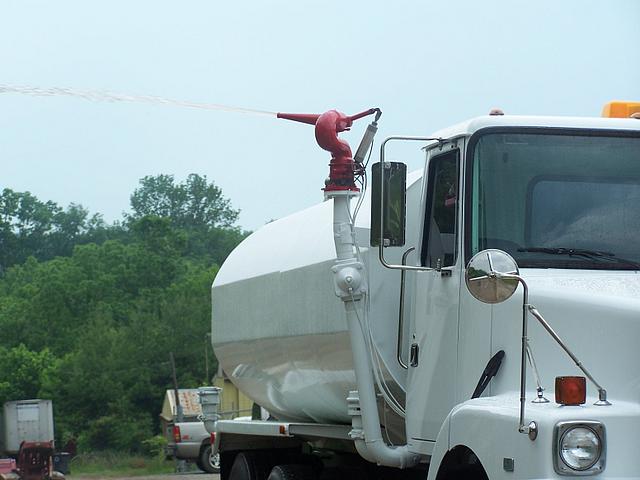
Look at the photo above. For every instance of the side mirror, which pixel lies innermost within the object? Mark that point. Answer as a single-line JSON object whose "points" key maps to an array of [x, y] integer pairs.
{"points": [[388, 204], [491, 276]]}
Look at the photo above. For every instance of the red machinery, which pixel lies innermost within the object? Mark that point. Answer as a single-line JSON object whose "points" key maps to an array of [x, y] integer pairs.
{"points": [[342, 169], [35, 462]]}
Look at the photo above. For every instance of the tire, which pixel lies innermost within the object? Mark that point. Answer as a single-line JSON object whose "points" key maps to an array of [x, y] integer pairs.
{"points": [[208, 461], [292, 472], [249, 466]]}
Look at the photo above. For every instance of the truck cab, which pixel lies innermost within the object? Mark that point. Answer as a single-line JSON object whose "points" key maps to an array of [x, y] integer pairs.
{"points": [[559, 195]]}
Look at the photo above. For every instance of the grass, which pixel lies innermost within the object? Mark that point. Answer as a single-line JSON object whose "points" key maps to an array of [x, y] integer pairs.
{"points": [[115, 464]]}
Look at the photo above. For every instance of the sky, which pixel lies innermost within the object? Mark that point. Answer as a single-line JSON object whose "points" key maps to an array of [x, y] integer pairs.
{"points": [[426, 64]]}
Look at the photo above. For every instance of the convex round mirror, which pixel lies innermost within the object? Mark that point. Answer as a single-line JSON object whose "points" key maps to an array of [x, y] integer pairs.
{"points": [[490, 276]]}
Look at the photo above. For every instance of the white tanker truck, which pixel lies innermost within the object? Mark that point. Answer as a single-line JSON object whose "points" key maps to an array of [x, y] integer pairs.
{"points": [[399, 333]]}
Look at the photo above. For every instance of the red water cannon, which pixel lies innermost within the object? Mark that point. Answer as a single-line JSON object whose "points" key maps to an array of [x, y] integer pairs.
{"points": [[343, 169]]}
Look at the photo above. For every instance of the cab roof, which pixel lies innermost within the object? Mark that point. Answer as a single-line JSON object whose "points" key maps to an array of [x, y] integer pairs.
{"points": [[469, 127]]}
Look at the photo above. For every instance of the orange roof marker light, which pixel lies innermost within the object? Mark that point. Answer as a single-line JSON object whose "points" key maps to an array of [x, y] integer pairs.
{"points": [[571, 390], [618, 109]]}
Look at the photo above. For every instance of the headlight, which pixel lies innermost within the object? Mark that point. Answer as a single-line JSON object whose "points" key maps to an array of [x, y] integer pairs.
{"points": [[579, 448]]}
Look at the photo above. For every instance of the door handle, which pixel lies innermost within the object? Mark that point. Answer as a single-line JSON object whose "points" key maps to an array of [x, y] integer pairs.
{"points": [[413, 356], [446, 271]]}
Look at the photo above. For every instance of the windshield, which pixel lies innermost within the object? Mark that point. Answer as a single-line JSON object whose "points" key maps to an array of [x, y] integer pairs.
{"points": [[557, 201]]}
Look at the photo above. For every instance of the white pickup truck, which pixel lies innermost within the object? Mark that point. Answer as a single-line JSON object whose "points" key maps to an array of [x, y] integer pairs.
{"points": [[191, 441]]}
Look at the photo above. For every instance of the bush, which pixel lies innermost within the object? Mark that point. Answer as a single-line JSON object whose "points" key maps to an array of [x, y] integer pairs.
{"points": [[115, 432], [154, 446]]}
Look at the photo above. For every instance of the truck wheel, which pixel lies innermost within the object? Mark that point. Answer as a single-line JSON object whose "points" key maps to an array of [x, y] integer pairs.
{"points": [[292, 472], [248, 466], [209, 461]]}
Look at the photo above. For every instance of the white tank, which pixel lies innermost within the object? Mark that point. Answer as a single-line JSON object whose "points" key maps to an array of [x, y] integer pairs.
{"points": [[278, 329]]}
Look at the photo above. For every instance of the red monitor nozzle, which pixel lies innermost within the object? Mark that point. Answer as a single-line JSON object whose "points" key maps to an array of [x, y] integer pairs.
{"points": [[328, 125]]}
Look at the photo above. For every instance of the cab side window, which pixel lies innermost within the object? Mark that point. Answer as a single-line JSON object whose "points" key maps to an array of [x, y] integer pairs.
{"points": [[439, 248]]}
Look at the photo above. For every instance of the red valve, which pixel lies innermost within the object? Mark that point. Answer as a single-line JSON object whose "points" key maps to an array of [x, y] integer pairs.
{"points": [[342, 168]]}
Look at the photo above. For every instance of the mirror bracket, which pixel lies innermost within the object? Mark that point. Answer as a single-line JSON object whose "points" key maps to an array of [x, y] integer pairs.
{"points": [[382, 242], [475, 272]]}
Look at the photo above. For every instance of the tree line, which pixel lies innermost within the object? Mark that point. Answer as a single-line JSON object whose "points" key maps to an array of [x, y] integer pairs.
{"points": [[89, 311]]}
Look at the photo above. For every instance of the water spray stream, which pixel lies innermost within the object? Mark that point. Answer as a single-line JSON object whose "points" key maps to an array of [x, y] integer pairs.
{"points": [[100, 96]]}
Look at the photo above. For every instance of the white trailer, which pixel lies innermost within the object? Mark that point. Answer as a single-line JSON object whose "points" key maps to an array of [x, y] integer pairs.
{"points": [[25, 421], [419, 349]]}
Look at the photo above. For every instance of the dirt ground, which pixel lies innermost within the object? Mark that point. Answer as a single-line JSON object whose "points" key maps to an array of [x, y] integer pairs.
{"points": [[172, 476]]}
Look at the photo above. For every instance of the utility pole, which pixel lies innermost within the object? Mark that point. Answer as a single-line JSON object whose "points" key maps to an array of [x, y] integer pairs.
{"points": [[206, 359], [181, 465], [207, 346]]}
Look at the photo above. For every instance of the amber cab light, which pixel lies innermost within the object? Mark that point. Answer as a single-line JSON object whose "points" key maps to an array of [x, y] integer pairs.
{"points": [[571, 390], [176, 434], [618, 109]]}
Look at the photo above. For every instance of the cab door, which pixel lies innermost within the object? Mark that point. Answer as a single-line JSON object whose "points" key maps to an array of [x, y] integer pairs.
{"points": [[433, 358]]}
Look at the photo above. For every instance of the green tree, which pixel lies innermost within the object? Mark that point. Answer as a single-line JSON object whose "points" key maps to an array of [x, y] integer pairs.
{"points": [[195, 208], [24, 222], [93, 310], [194, 203], [23, 372], [44, 230]]}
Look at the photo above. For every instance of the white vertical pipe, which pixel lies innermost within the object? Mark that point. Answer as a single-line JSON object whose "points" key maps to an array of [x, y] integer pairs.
{"points": [[372, 447]]}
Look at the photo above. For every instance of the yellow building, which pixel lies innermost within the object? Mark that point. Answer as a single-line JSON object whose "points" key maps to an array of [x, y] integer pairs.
{"points": [[233, 403]]}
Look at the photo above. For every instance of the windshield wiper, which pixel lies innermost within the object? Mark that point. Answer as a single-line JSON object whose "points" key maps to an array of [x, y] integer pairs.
{"points": [[581, 252], [568, 251]]}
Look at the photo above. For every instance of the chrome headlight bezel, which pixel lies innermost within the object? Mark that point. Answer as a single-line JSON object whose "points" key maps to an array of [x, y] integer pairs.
{"points": [[561, 430]]}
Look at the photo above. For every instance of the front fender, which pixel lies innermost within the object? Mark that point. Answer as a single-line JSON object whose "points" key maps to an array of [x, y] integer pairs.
{"points": [[441, 448], [489, 427]]}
